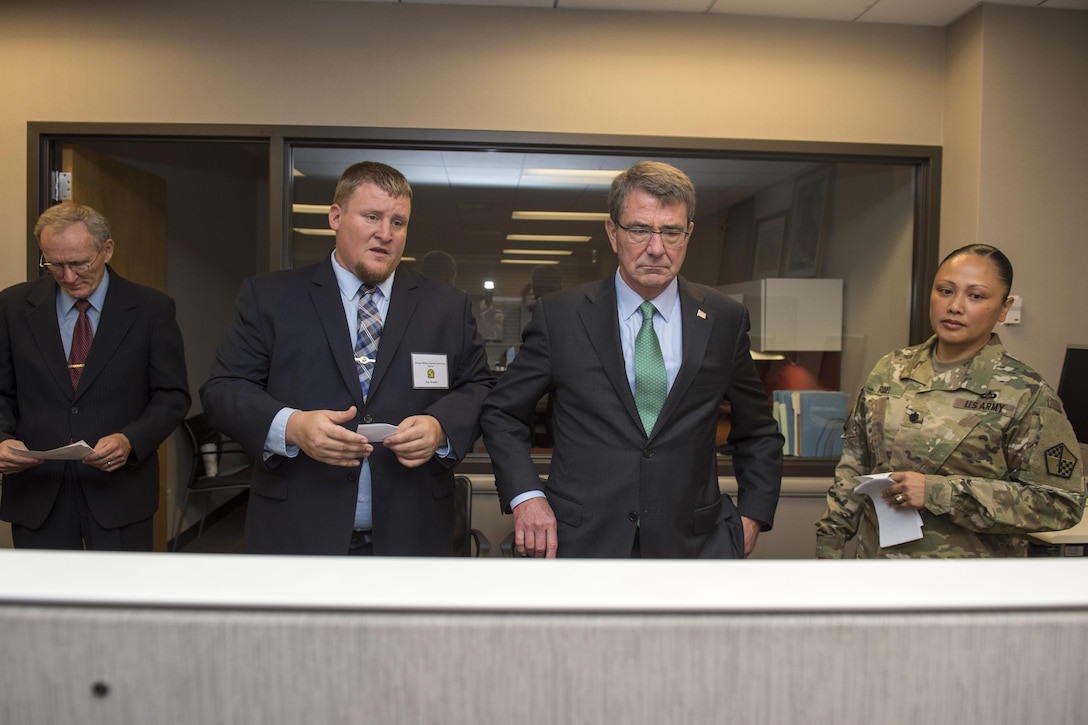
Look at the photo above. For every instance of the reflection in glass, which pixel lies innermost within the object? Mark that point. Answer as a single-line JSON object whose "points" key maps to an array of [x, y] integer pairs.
{"points": [[532, 222]]}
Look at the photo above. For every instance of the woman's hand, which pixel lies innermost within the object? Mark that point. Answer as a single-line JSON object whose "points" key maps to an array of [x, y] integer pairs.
{"points": [[908, 492]]}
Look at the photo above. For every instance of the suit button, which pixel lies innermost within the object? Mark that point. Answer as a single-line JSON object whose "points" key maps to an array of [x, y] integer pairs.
{"points": [[648, 453], [368, 419], [633, 516], [75, 410]]}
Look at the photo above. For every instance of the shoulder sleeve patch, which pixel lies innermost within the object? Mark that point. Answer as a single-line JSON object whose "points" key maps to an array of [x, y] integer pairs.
{"points": [[1060, 461]]}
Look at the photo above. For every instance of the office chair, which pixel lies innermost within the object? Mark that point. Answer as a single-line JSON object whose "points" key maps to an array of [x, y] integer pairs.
{"points": [[234, 467], [466, 539]]}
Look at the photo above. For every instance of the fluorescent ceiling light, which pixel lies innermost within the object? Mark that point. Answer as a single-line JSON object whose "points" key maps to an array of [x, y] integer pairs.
{"points": [[314, 232], [594, 177], [545, 252], [310, 208], [547, 238], [529, 261], [560, 216]]}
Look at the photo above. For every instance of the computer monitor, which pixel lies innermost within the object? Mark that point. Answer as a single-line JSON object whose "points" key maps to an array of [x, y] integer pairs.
{"points": [[1073, 389]]}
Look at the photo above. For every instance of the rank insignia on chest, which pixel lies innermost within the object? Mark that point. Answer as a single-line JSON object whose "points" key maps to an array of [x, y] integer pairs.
{"points": [[1060, 461]]}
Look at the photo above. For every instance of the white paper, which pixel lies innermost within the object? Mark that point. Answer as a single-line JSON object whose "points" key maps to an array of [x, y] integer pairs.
{"points": [[897, 526], [376, 432], [71, 452]]}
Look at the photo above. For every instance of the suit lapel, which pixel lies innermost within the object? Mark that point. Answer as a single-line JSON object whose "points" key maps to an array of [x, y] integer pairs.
{"points": [[118, 314], [402, 307], [600, 317], [697, 322], [325, 296], [41, 318]]}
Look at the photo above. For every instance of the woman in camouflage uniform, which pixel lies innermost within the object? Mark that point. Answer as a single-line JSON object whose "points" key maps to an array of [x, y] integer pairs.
{"points": [[975, 440]]}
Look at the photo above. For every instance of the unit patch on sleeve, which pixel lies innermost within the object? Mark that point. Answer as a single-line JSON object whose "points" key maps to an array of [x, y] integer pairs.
{"points": [[1060, 461]]}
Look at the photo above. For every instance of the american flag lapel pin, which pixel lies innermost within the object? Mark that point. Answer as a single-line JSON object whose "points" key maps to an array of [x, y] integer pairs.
{"points": [[701, 315]]}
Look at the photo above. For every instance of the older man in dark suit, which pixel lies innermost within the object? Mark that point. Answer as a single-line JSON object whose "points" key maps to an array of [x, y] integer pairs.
{"points": [[317, 351], [85, 355], [636, 367]]}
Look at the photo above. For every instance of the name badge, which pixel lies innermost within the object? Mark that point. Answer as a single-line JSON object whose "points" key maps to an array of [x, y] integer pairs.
{"points": [[987, 406], [430, 371]]}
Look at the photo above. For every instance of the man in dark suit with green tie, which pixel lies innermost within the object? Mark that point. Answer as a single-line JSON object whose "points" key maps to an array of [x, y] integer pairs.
{"points": [[85, 355], [636, 366]]}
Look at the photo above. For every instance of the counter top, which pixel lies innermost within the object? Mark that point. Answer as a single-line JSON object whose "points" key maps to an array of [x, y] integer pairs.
{"points": [[517, 585]]}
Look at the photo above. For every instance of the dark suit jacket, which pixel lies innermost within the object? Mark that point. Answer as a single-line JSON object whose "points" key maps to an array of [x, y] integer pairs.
{"points": [[290, 347], [605, 473], [134, 383]]}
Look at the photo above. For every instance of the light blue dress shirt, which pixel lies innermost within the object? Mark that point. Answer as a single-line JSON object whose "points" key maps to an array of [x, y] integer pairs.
{"points": [[67, 314]]}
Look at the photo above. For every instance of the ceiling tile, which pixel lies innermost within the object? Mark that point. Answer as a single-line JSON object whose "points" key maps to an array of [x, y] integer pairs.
{"points": [[500, 3], [661, 6], [844, 10], [922, 12]]}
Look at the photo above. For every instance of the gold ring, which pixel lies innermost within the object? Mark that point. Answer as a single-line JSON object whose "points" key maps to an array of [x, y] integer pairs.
{"points": [[899, 498]]}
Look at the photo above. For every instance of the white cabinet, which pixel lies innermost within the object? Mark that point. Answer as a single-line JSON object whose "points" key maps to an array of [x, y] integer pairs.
{"points": [[792, 314]]}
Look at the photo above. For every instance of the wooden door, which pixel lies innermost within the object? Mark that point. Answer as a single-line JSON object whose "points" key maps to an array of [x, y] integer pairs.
{"points": [[134, 202]]}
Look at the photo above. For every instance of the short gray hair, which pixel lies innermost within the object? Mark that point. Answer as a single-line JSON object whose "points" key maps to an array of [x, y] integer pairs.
{"points": [[65, 214]]}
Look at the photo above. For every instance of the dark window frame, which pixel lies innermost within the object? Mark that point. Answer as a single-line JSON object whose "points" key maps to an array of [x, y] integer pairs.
{"points": [[43, 137]]}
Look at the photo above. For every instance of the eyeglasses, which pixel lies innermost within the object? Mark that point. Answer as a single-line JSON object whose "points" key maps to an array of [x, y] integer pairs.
{"points": [[79, 268], [642, 235]]}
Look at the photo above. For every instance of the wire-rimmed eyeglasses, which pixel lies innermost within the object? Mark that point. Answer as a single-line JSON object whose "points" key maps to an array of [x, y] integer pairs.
{"points": [[79, 268], [642, 235]]}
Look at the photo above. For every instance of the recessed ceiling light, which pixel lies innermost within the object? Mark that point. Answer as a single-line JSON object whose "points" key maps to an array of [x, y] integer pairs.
{"points": [[310, 208], [561, 216], [593, 177], [547, 238], [544, 252]]}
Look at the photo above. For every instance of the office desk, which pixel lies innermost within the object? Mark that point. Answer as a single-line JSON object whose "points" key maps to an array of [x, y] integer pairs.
{"points": [[1070, 542]]}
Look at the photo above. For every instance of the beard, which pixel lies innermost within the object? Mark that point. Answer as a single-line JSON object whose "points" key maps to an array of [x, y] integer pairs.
{"points": [[374, 275]]}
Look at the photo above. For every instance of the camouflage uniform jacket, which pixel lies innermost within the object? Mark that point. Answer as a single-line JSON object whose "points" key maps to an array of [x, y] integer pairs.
{"points": [[999, 456]]}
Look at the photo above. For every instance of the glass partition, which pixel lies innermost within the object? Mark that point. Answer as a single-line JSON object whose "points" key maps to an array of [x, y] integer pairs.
{"points": [[508, 225]]}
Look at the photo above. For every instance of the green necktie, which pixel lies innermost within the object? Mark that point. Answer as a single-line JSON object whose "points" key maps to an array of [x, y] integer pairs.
{"points": [[651, 384]]}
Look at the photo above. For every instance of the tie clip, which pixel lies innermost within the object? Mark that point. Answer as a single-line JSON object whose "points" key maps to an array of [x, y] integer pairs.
{"points": [[364, 360], [76, 365]]}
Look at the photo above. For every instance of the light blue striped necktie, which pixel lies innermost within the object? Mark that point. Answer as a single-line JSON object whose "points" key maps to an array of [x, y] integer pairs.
{"points": [[369, 334]]}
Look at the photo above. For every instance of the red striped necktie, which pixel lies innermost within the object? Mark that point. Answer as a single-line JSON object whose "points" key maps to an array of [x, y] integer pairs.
{"points": [[81, 343]]}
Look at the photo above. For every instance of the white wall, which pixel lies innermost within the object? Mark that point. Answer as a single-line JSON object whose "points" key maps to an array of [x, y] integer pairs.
{"points": [[423, 66], [1016, 164]]}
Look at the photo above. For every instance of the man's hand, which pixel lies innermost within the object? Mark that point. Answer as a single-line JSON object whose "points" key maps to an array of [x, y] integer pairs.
{"points": [[110, 453], [751, 533], [321, 435], [12, 462], [416, 440], [534, 529]]}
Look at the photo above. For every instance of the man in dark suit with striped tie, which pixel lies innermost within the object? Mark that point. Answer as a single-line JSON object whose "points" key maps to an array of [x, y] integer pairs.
{"points": [[354, 339], [85, 355]]}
